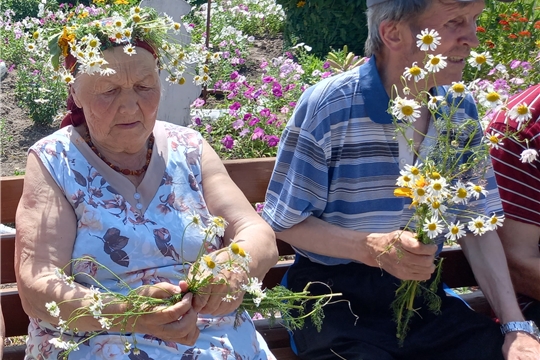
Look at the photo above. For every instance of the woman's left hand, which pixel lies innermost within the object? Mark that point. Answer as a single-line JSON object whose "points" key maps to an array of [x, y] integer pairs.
{"points": [[214, 299]]}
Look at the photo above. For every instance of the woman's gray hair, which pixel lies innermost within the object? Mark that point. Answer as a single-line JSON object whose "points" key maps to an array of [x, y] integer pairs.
{"points": [[395, 10]]}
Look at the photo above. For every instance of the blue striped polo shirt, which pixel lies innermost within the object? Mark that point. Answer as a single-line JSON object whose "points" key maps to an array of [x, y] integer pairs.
{"points": [[339, 159]]}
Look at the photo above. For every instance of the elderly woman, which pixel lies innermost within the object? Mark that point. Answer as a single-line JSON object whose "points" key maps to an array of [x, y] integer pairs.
{"points": [[122, 188]]}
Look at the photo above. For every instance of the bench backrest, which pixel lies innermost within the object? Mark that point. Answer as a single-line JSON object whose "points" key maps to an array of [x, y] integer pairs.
{"points": [[251, 176]]}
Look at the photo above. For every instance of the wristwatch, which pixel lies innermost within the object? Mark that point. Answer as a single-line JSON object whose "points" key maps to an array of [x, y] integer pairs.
{"points": [[528, 327]]}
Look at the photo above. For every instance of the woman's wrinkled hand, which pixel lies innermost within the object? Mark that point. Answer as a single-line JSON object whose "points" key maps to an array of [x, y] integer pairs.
{"points": [[177, 323]]}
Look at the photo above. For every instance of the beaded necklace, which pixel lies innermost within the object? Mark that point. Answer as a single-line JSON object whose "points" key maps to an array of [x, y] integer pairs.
{"points": [[116, 168]]}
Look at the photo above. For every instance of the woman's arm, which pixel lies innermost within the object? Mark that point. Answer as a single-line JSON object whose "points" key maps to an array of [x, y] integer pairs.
{"points": [[46, 230], [253, 234]]}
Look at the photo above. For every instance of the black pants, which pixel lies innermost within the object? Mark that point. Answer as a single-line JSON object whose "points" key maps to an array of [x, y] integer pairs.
{"points": [[457, 333], [530, 308]]}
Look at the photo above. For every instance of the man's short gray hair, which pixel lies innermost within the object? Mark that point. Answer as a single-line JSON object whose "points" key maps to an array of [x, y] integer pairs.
{"points": [[395, 10]]}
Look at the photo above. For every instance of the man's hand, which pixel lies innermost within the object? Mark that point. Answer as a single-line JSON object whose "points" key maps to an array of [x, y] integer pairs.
{"points": [[520, 346], [402, 255]]}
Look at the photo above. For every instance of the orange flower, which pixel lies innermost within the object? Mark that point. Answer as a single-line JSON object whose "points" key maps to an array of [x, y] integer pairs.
{"points": [[121, 2], [537, 25], [65, 40], [403, 192], [300, 4], [480, 29], [512, 36], [525, 33], [504, 22], [523, 19], [490, 44]]}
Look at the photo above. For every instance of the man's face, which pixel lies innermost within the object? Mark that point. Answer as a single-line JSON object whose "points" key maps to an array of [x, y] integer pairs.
{"points": [[456, 24]]}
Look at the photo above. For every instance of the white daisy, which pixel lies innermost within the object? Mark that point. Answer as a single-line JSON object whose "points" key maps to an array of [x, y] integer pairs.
{"points": [[208, 264], [433, 227], [461, 195], [528, 156], [415, 72], [476, 190], [491, 98], [433, 102], [455, 231], [53, 309], [435, 63], [413, 171], [520, 113], [438, 187], [458, 89], [437, 206], [404, 180], [495, 222], [493, 139], [405, 109], [478, 225], [130, 49], [419, 195], [428, 40], [478, 59], [105, 323]]}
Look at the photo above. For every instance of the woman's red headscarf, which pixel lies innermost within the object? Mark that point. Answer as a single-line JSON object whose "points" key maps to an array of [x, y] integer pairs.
{"points": [[75, 115]]}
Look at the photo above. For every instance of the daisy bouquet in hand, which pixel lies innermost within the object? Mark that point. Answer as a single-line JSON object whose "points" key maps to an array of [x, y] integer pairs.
{"points": [[448, 180], [209, 268]]}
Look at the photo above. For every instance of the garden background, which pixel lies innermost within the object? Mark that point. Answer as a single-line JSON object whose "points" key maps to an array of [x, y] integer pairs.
{"points": [[271, 50]]}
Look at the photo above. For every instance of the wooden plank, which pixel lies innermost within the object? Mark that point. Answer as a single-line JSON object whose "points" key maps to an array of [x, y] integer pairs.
{"points": [[15, 318], [14, 352], [251, 176], [10, 193], [7, 251], [456, 269]]}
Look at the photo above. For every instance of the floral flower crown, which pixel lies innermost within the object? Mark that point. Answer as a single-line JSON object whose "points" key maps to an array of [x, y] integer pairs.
{"points": [[88, 33]]}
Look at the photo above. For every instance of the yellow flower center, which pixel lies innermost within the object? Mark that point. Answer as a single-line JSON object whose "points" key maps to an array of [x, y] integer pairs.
{"points": [[118, 35], [136, 18], [406, 178], [479, 224], [415, 171], [118, 23], [68, 79], [242, 253], [522, 109], [435, 175], [415, 71], [494, 220], [459, 88], [93, 43], [480, 59], [435, 61], [209, 262], [462, 193], [435, 205], [477, 188], [127, 33], [432, 227], [493, 96], [437, 187], [407, 110], [181, 81], [176, 26], [235, 248], [493, 139], [420, 192], [35, 35], [137, 10], [454, 230], [427, 39]]}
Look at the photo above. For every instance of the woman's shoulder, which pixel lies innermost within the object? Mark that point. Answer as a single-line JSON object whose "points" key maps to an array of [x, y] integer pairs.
{"points": [[60, 137], [170, 128]]}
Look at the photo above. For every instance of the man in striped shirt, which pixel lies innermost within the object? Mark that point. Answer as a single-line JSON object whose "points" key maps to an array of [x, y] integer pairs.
{"points": [[518, 178], [331, 197]]}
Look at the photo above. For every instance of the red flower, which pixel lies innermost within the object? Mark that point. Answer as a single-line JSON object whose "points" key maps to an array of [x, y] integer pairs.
{"points": [[503, 22], [512, 36], [480, 29], [537, 25], [490, 44], [523, 19], [525, 33]]}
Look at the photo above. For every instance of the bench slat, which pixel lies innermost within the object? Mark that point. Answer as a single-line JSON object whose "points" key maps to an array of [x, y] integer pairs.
{"points": [[10, 190], [251, 176], [7, 251]]}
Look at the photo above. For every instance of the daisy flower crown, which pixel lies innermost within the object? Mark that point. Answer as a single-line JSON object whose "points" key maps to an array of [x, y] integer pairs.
{"points": [[79, 47]]}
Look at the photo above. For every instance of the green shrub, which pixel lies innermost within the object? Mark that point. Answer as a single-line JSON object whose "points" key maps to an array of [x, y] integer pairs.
{"points": [[21, 8], [325, 25]]}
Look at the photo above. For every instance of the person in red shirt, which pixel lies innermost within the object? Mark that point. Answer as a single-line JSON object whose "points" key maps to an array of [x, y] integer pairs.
{"points": [[517, 170]]}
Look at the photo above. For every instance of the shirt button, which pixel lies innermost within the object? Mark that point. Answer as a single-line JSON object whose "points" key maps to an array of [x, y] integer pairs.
{"points": [[403, 161], [137, 196], [139, 206]]}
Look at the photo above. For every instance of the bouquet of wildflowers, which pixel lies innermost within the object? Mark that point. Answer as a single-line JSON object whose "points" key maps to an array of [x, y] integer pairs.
{"points": [[448, 175], [204, 271]]}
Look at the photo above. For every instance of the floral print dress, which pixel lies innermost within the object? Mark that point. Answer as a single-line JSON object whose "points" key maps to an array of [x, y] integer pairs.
{"points": [[142, 235]]}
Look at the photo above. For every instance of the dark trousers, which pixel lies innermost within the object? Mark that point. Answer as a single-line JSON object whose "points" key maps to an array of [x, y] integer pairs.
{"points": [[530, 308], [457, 333]]}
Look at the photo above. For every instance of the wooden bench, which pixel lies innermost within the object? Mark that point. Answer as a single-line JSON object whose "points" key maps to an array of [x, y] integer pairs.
{"points": [[252, 176]]}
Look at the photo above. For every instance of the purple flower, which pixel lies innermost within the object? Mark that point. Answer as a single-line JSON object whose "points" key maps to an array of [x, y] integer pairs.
{"points": [[258, 133], [514, 64], [272, 140], [277, 92], [234, 75], [264, 64], [326, 65], [247, 116], [208, 128], [253, 121], [268, 79], [238, 124], [244, 132], [225, 54], [197, 121], [198, 103], [265, 112], [292, 104], [326, 74], [271, 119], [223, 43], [526, 65], [235, 106], [228, 142], [259, 208]]}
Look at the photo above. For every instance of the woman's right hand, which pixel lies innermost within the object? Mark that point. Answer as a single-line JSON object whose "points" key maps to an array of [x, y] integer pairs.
{"points": [[176, 323]]}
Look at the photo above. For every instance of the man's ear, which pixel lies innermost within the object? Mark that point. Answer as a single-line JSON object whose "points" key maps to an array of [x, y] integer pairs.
{"points": [[392, 35]]}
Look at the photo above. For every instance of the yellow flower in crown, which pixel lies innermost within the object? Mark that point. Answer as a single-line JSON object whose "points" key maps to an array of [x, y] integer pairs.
{"points": [[88, 32]]}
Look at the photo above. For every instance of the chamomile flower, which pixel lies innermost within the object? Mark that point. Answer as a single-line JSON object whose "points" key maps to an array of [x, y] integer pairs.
{"points": [[130, 49], [455, 231], [219, 223], [478, 225], [208, 263], [58, 343], [195, 219], [433, 227], [435, 63], [433, 102], [478, 59], [490, 98], [92, 42], [428, 40], [53, 309], [404, 180], [528, 155], [437, 206], [405, 109], [62, 326], [458, 89], [229, 298], [30, 47], [413, 171], [461, 195], [419, 194], [105, 323], [438, 187], [520, 113], [415, 72], [495, 222], [494, 140], [476, 190]]}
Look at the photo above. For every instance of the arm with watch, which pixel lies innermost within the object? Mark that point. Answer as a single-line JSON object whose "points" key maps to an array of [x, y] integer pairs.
{"points": [[486, 257]]}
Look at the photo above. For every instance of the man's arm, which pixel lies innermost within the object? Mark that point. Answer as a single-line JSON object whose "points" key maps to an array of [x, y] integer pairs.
{"points": [[398, 252], [520, 242]]}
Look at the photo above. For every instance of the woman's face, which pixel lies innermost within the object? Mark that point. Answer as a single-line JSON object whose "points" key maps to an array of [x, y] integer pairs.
{"points": [[121, 108]]}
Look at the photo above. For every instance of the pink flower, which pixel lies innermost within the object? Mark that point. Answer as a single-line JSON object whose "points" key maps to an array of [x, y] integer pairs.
{"points": [[258, 133], [228, 142]]}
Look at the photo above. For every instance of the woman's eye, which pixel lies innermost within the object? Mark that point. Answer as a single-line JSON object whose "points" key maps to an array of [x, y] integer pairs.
{"points": [[109, 92]]}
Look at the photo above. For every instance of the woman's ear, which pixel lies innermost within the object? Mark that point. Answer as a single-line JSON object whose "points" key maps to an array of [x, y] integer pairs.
{"points": [[73, 92], [392, 35]]}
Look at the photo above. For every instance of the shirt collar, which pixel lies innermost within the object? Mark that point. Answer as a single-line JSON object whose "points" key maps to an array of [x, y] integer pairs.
{"points": [[376, 100]]}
